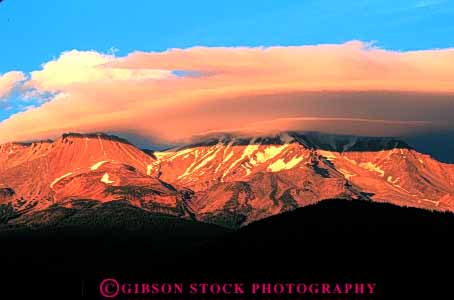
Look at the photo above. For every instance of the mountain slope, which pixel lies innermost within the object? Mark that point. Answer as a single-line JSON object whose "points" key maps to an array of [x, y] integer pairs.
{"points": [[262, 176], [228, 180], [92, 166]]}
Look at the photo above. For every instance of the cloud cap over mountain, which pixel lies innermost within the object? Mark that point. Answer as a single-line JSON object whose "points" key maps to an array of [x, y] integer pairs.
{"points": [[353, 88]]}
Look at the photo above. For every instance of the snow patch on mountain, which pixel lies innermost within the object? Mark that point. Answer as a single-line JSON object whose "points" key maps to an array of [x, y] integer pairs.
{"points": [[159, 155], [346, 173], [437, 203], [186, 172], [207, 158], [327, 154], [195, 165], [102, 145], [280, 164], [372, 167], [247, 152], [97, 165], [228, 157], [390, 180], [269, 153], [248, 171], [352, 161], [162, 154], [149, 169], [60, 178], [105, 179], [226, 149]]}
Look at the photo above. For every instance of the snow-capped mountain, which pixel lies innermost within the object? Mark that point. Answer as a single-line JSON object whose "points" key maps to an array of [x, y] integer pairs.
{"points": [[229, 180]]}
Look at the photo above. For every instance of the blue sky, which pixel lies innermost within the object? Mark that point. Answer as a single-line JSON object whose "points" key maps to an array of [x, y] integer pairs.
{"points": [[34, 32]]}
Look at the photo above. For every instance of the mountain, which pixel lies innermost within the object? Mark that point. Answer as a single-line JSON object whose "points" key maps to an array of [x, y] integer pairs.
{"points": [[37, 175], [250, 178], [230, 180]]}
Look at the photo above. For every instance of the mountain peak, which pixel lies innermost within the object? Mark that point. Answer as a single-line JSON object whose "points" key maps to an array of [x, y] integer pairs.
{"points": [[95, 135], [310, 140], [342, 143], [222, 177]]}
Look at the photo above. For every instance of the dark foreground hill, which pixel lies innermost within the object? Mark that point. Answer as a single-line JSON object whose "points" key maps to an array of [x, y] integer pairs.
{"points": [[405, 251]]}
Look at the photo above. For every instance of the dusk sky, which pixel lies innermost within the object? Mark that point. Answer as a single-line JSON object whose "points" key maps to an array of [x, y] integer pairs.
{"points": [[163, 71]]}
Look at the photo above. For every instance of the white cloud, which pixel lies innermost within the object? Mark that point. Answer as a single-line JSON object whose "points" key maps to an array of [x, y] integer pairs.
{"points": [[75, 67], [8, 82]]}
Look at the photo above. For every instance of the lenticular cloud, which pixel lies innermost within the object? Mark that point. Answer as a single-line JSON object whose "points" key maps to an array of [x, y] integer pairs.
{"points": [[353, 87]]}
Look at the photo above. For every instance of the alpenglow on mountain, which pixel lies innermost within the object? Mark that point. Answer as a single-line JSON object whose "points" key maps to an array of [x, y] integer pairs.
{"points": [[227, 180]]}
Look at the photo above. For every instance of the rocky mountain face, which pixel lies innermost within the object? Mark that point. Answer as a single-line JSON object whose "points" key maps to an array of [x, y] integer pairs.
{"points": [[227, 180]]}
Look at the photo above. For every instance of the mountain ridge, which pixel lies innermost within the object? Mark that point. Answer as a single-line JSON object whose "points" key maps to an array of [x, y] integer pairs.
{"points": [[227, 180], [310, 139]]}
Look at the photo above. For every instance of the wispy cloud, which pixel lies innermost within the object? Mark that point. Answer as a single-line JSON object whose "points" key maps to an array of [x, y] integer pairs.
{"points": [[428, 3], [8, 82]]}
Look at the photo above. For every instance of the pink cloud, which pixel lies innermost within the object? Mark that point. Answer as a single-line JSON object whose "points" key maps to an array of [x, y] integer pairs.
{"points": [[342, 88]]}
